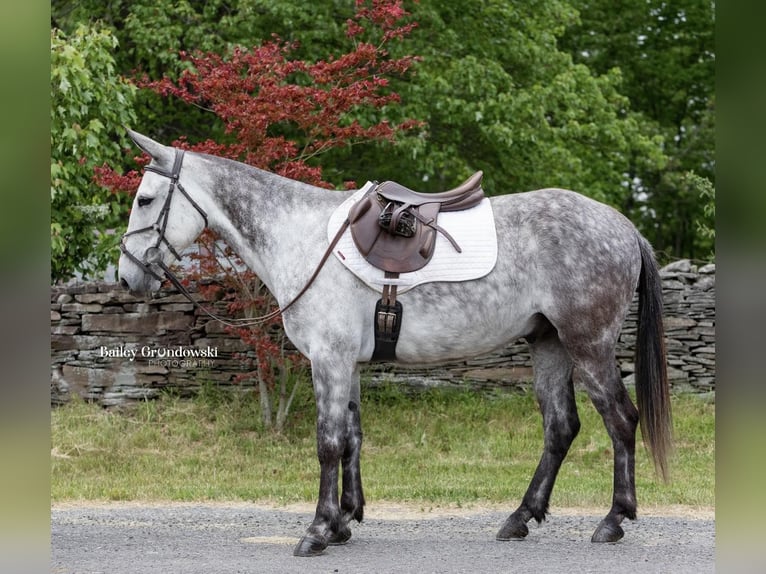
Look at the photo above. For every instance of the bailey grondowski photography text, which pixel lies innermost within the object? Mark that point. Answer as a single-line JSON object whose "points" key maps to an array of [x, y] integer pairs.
{"points": [[178, 356]]}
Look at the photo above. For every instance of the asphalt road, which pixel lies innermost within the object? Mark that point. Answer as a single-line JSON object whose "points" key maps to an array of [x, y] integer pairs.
{"points": [[244, 538]]}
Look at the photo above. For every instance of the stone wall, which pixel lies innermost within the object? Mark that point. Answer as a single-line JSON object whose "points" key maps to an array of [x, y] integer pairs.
{"points": [[110, 347]]}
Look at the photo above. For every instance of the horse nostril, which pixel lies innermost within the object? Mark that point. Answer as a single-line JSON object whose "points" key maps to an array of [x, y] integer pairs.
{"points": [[124, 284]]}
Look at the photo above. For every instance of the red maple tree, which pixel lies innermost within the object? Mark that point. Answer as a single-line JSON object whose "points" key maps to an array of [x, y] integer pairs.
{"points": [[278, 114]]}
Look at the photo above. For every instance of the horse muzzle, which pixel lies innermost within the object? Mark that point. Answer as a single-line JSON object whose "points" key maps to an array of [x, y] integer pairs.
{"points": [[138, 276]]}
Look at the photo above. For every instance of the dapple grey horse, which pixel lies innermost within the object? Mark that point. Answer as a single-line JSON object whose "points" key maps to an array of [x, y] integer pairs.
{"points": [[567, 269]]}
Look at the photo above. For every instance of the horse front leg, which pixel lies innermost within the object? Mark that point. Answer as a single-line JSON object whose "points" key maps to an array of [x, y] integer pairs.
{"points": [[352, 499], [338, 439]]}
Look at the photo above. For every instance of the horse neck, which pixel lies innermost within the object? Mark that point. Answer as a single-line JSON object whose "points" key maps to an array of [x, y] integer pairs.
{"points": [[274, 224]]}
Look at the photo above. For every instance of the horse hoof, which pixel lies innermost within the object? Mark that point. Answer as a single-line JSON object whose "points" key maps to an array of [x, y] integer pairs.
{"points": [[308, 546], [340, 537], [512, 530], [607, 532]]}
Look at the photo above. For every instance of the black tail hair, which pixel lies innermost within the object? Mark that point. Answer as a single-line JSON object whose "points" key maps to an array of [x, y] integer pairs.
{"points": [[652, 389]]}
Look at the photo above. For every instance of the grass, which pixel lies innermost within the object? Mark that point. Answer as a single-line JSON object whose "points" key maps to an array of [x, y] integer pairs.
{"points": [[432, 448]]}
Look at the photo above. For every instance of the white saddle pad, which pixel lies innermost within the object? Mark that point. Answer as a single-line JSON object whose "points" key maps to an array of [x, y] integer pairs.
{"points": [[473, 230]]}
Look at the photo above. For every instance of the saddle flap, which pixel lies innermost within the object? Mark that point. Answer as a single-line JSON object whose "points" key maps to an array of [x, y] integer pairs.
{"points": [[390, 251], [364, 233]]}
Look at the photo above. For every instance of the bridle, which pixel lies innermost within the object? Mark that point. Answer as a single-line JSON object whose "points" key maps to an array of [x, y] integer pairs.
{"points": [[153, 255]]}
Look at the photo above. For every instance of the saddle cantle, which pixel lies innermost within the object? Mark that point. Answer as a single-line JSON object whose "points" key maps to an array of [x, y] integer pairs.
{"points": [[395, 228]]}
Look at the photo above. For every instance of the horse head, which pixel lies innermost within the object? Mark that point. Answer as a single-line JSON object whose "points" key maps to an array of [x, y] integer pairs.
{"points": [[162, 222]]}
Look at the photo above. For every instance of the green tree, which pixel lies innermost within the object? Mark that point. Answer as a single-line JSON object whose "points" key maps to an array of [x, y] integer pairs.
{"points": [[665, 52], [153, 34], [530, 92], [88, 99], [496, 93]]}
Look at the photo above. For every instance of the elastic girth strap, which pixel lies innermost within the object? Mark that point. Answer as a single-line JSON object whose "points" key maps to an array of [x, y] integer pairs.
{"points": [[388, 323]]}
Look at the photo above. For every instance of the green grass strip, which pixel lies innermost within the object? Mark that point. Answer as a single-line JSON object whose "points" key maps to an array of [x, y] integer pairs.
{"points": [[434, 447]]}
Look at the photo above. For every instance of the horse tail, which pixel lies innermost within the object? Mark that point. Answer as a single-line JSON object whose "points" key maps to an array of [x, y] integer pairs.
{"points": [[652, 392]]}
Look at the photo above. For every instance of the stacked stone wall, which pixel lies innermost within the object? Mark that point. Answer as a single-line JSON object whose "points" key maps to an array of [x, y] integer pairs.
{"points": [[110, 347]]}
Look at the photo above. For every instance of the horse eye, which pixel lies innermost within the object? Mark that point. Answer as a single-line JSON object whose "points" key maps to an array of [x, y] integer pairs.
{"points": [[144, 201]]}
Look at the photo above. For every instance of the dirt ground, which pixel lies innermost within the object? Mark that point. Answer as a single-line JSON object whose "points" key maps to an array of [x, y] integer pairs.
{"points": [[128, 537]]}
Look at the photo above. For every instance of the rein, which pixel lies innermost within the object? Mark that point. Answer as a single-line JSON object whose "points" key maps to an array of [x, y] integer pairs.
{"points": [[153, 256]]}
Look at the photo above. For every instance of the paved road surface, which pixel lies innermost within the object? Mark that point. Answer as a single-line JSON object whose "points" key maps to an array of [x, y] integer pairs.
{"points": [[243, 538]]}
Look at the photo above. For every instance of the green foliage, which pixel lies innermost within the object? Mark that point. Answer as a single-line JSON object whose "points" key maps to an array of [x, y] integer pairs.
{"points": [[706, 192], [665, 52], [88, 100], [613, 101], [498, 94], [153, 33]]}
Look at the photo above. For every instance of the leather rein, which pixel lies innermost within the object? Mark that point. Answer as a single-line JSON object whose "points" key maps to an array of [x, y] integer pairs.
{"points": [[153, 255]]}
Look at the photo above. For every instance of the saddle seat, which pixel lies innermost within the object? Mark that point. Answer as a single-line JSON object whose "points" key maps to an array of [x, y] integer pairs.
{"points": [[466, 195], [395, 228]]}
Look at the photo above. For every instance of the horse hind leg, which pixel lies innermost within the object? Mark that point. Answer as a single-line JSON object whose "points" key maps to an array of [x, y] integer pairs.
{"points": [[599, 375], [555, 395]]}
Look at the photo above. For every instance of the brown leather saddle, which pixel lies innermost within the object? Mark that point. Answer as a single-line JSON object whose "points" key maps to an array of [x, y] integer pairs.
{"points": [[395, 230]]}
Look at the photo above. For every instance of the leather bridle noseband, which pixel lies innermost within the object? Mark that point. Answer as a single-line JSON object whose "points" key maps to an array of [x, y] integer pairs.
{"points": [[153, 255]]}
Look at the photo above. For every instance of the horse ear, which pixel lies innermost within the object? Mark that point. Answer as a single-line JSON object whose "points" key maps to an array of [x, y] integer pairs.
{"points": [[147, 144]]}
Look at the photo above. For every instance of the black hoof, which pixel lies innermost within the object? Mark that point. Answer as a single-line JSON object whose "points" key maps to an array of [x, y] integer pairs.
{"points": [[341, 537], [607, 532], [513, 529], [309, 546]]}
